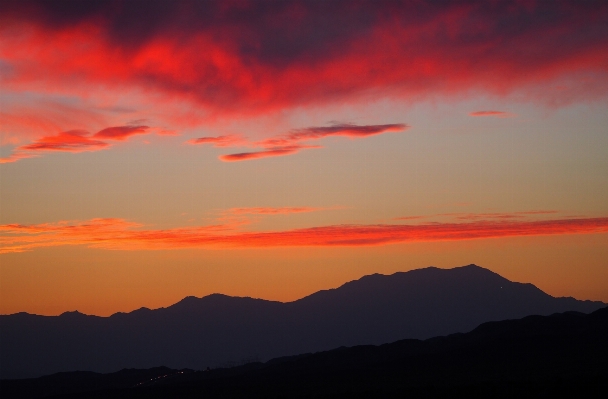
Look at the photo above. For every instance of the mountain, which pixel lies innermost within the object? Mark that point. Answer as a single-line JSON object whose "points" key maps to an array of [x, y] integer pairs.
{"points": [[562, 355], [84, 381], [218, 330]]}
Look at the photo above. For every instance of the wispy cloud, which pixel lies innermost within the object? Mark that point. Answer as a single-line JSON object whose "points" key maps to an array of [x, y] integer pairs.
{"points": [[220, 141], [344, 130], [119, 234], [483, 216], [293, 142], [273, 152], [497, 215], [276, 210], [17, 156], [237, 217], [410, 217], [120, 133], [498, 114], [75, 141]]}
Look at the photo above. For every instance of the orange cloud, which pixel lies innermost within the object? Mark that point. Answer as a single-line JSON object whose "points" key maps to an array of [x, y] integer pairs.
{"points": [[274, 211], [14, 157], [499, 114], [482, 216], [410, 217], [119, 234]]}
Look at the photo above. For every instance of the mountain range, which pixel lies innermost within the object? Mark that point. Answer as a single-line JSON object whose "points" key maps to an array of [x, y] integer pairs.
{"points": [[561, 355], [219, 330]]}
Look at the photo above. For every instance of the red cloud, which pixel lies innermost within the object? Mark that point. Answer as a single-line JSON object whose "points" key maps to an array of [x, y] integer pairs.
{"points": [[122, 235], [120, 132], [288, 144], [499, 114], [274, 152], [220, 141], [267, 56], [316, 133], [74, 141]]}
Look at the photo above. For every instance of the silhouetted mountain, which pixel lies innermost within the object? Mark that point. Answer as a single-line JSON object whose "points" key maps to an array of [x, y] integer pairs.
{"points": [[562, 355], [220, 330]]}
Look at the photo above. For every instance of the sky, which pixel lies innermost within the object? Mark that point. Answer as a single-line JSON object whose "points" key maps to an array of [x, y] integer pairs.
{"points": [[152, 150]]}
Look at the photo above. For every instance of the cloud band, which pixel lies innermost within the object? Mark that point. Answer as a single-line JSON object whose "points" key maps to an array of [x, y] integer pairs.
{"points": [[119, 234]]}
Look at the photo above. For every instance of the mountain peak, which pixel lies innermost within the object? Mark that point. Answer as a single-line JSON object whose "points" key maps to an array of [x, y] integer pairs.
{"points": [[471, 266], [73, 313], [190, 299], [471, 271]]}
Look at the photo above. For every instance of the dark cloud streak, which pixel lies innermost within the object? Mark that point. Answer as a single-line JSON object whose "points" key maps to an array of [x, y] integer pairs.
{"points": [[273, 152], [288, 144]]}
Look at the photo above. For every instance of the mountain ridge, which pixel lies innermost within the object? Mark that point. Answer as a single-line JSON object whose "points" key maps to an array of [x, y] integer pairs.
{"points": [[348, 284], [536, 356], [199, 332]]}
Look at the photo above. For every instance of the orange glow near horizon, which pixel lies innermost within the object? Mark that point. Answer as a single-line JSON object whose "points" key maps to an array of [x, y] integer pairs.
{"points": [[104, 282]]}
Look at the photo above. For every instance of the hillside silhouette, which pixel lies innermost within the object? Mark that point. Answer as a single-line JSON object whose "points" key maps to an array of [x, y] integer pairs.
{"points": [[219, 330], [564, 354]]}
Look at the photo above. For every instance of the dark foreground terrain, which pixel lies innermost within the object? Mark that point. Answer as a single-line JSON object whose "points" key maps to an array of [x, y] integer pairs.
{"points": [[560, 355], [218, 330]]}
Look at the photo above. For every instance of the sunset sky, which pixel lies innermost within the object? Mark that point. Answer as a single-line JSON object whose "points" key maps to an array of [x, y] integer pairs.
{"points": [[152, 150]]}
